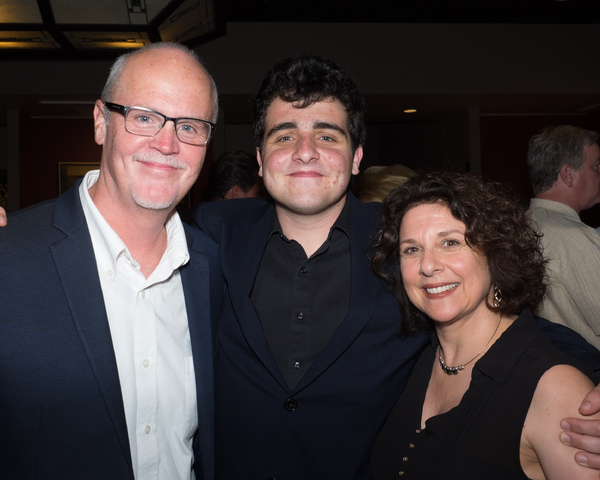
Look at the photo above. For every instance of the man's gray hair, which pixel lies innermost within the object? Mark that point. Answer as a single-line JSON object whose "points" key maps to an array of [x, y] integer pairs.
{"points": [[116, 69], [554, 147]]}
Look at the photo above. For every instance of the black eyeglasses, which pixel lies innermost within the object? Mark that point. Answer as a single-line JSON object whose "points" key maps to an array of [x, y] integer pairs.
{"points": [[147, 123]]}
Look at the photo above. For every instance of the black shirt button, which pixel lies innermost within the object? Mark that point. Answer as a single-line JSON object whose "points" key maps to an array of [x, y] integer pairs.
{"points": [[303, 270], [291, 404], [300, 316]]}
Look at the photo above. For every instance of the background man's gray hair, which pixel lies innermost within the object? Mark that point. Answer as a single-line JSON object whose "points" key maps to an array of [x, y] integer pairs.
{"points": [[554, 147]]}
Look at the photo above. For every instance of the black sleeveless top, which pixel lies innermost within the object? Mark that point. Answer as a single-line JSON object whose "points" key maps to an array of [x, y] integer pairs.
{"points": [[479, 438]]}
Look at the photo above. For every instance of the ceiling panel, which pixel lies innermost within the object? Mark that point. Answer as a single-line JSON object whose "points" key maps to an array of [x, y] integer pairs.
{"points": [[191, 19], [86, 12], [19, 11]]}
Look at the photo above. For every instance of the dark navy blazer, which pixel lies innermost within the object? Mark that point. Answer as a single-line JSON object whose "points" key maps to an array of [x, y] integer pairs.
{"points": [[61, 411], [324, 428]]}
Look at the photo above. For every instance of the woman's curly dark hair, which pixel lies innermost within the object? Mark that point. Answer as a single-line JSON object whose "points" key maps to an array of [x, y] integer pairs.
{"points": [[497, 227]]}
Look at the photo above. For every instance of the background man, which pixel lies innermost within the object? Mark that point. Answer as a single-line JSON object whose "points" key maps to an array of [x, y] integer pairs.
{"points": [[233, 175], [310, 362], [564, 167], [101, 376]]}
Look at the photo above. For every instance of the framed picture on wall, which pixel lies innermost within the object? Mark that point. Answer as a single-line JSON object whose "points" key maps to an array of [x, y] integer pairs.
{"points": [[70, 172]]}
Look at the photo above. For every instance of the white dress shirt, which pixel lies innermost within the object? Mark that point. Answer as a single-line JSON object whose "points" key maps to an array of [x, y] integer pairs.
{"points": [[151, 339]]}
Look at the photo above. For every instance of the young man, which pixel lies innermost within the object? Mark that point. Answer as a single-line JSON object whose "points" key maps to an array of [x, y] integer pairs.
{"points": [[310, 362]]}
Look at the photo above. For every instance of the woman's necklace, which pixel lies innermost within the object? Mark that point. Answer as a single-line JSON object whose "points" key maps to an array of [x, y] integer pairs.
{"points": [[459, 368]]}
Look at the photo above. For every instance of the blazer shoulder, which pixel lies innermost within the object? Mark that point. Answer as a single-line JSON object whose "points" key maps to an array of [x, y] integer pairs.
{"points": [[365, 218], [365, 212], [215, 217], [29, 228], [571, 343], [198, 241]]}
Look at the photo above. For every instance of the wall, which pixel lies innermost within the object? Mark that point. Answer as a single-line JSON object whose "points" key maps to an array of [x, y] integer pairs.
{"points": [[43, 144], [385, 59]]}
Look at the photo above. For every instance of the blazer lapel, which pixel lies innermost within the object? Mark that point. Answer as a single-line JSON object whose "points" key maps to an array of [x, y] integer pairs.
{"points": [[365, 294], [197, 287], [243, 255], [242, 251], [76, 266]]}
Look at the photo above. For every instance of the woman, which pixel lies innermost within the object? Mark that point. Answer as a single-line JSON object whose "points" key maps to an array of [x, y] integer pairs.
{"points": [[486, 400]]}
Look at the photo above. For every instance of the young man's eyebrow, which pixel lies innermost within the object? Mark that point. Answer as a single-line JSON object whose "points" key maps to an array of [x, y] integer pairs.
{"points": [[322, 125], [279, 127], [330, 126]]}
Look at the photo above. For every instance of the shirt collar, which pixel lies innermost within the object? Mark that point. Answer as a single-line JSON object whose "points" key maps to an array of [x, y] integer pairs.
{"points": [[341, 223], [554, 206], [500, 359], [108, 246]]}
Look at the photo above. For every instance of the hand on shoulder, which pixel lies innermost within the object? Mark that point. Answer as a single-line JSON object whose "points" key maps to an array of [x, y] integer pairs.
{"points": [[584, 433], [558, 395]]}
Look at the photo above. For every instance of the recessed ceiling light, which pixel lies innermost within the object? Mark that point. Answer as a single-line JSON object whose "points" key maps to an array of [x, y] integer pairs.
{"points": [[410, 110]]}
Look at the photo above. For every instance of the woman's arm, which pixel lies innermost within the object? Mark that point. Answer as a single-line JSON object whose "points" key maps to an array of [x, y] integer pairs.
{"points": [[557, 396]]}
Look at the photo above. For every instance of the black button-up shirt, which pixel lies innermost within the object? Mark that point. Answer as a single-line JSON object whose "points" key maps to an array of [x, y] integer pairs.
{"points": [[302, 301]]}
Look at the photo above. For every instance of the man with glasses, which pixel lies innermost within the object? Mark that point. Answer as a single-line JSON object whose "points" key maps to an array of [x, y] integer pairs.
{"points": [[106, 343]]}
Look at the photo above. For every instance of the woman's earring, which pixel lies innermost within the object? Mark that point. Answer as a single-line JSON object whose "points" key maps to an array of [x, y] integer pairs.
{"points": [[497, 297]]}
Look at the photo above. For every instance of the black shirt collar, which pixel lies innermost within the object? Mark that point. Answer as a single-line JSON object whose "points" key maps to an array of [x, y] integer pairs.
{"points": [[342, 223]]}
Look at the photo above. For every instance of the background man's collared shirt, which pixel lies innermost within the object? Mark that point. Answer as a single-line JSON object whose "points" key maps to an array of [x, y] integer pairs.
{"points": [[573, 252], [302, 301], [150, 334]]}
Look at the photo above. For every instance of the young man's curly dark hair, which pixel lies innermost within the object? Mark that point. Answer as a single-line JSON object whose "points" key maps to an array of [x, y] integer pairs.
{"points": [[497, 227], [307, 79]]}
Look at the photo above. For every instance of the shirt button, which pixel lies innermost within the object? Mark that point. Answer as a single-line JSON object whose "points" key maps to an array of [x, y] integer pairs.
{"points": [[143, 294], [291, 404], [300, 316], [109, 273], [148, 429], [146, 363], [296, 364], [303, 270]]}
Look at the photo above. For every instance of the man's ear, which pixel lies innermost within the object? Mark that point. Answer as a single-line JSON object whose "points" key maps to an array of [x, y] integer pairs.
{"points": [[358, 154], [567, 175], [259, 160], [234, 192], [100, 122]]}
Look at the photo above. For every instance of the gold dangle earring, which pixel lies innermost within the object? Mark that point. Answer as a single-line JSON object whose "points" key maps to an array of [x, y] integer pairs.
{"points": [[497, 297]]}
